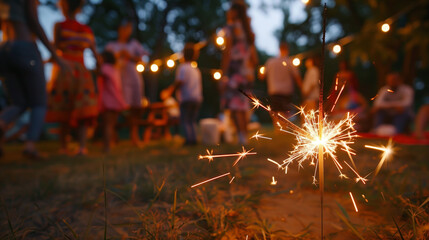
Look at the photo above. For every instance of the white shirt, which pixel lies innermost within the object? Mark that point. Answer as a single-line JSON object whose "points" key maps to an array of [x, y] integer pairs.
{"points": [[401, 97], [280, 76], [191, 88], [310, 85]]}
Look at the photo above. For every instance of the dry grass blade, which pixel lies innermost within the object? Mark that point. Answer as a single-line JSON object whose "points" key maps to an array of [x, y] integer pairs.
{"points": [[399, 229], [75, 235], [345, 218], [9, 222]]}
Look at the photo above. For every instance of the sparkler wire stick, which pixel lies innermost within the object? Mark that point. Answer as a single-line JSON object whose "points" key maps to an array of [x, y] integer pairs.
{"points": [[320, 160]]}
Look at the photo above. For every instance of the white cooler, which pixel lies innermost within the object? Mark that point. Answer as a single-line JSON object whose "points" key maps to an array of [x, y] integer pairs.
{"points": [[210, 132]]}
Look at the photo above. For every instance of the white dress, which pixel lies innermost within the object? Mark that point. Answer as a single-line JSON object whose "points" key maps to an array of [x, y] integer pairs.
{"points": [[132, 81]]}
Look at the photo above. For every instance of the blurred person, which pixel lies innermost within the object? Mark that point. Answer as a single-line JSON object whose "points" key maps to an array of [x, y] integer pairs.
{"points": [[21, 67], [422, 120], [110, 96], [188, 87], [129, 52], [393, 104], [422, 117], [344, 76], [73, 101], [310, 85], [236, 58], [282, 76]]}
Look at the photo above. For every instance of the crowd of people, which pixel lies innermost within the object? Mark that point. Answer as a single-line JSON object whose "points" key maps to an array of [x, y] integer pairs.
{"points": [[75, 101]]}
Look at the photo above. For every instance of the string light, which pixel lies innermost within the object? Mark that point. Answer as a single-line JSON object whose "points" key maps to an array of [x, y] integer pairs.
{"points": [[336, 49], [385, 27], [220, 41], [217, 75], [296, 62], [194, 64], [170, 63], [154, 67], [140, 67], [262, 70]]}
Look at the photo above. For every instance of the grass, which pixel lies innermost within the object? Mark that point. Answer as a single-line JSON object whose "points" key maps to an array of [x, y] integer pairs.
{"points": [[145, 194]]}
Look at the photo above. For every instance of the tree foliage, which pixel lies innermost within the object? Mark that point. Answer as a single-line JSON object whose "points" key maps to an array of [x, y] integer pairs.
{"points": [[401, 48]]}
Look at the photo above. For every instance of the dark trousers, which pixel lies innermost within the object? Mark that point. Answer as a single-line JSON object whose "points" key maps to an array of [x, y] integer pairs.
{"points": [[399, 120], [188, 120], [21, 68]]}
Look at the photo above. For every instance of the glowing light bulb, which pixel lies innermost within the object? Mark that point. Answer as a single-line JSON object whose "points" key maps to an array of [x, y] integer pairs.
{"points": [[154, 67], [296, 62], [262, 70], [385, 27], [220, 41], [217, 75], [170, 63], [336, 49], [140, 67], [194, 64], [305, 1]]}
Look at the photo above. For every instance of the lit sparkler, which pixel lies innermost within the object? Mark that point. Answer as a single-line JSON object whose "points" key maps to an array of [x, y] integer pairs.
{"points": [[211, 179], [335, 136], [387, 151]]}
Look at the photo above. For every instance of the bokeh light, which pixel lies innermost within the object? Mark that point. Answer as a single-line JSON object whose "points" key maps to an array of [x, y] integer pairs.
{"points": [[170, 63], [336, 49], [140, 67], [194, 64], [217, 75], [385, 27], [296, 62], [154, 68], [262, 70], [220, 41]]}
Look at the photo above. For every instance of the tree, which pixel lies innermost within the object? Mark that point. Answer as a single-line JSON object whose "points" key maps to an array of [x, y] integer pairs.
{"points": [[402, 47]]}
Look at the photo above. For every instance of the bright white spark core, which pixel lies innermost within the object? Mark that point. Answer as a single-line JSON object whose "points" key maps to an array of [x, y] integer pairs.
{"points": [[353, 200]]}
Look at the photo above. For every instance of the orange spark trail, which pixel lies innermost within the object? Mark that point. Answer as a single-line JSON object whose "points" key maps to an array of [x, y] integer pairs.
{"points": [[353, 200], [209, 180]]}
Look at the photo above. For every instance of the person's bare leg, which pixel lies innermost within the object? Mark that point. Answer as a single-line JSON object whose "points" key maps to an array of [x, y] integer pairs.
{"points": [[106, 139], [64, 131], [134, 127], [82, 132], [421, 121], [240, 122]]}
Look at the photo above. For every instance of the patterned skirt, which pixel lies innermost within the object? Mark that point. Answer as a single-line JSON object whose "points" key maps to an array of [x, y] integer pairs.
{"points": [[72, 96]]}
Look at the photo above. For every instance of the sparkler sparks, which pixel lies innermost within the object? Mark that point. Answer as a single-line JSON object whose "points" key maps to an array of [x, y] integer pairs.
{"points": [[257, 136], [211, 179], [210, 156], [335, 136], [232, 179], [387, 151], [273, 182], [354, 203]]}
